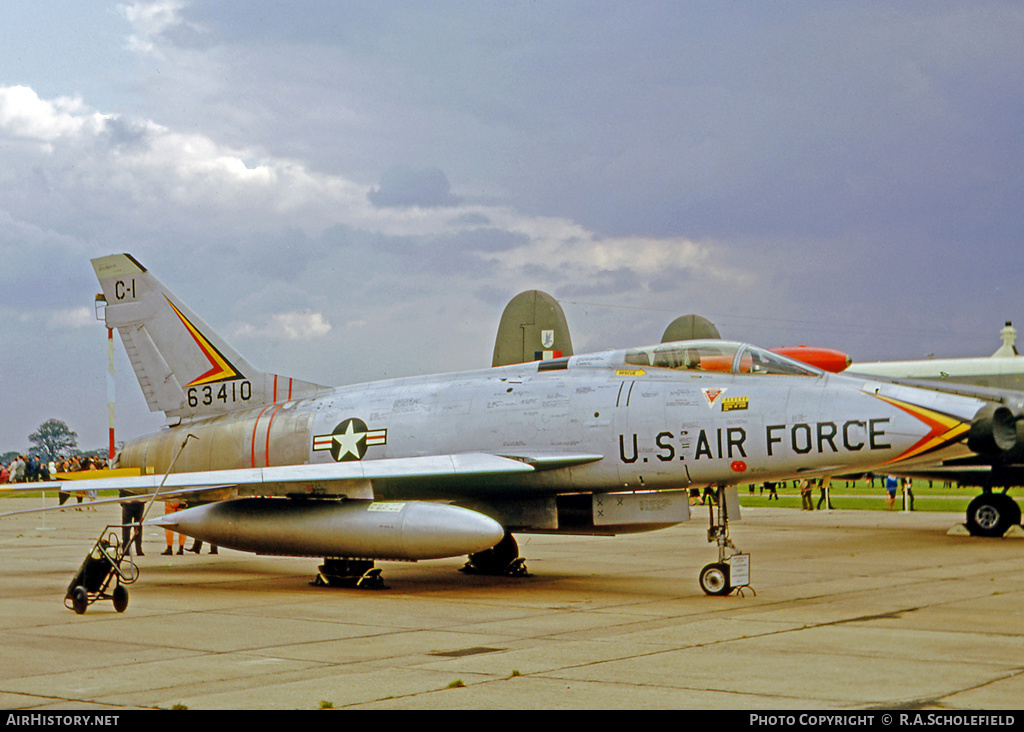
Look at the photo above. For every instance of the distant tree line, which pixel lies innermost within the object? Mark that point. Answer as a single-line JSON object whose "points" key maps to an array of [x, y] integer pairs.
{"points": [[54, 440]]}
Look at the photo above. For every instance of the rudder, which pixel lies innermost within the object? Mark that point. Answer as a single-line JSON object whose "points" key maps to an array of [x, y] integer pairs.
{"points": [[184, 368], [532, 328]]}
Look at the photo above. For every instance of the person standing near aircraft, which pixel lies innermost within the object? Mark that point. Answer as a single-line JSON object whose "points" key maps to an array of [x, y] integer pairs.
{"points": [[825, 496], [890, 488], [806, 488], [908, 494], [197, 547], [172, 508], [131, 520]]}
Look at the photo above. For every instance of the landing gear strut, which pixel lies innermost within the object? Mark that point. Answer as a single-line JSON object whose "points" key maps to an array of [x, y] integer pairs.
{"points": [[732, 570]]}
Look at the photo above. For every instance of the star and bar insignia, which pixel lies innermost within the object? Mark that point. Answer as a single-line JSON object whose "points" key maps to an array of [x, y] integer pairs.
{"points": [[350, 439]]}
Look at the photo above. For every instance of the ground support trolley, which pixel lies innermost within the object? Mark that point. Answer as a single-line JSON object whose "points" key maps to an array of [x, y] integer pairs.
{"points": [[107, 568]]}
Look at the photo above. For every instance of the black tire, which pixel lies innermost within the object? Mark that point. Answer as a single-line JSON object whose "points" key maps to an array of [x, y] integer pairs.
{"points": [[714, 579], [991, 514], [498, 559], [79, 600], [120, 598]]}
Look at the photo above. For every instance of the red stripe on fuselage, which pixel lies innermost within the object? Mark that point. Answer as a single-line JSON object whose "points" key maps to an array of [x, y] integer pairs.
{"points": [[255, 427]]}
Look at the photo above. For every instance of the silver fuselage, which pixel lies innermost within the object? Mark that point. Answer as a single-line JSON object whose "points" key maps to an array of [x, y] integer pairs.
{"points": [[653, 428]]}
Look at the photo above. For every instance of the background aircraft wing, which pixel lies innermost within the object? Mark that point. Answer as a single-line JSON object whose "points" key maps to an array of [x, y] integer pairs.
{"points": [[1011, 399]]}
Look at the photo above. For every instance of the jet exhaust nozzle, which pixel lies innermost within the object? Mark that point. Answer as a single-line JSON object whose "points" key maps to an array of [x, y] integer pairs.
{"points": [[993, 431]]}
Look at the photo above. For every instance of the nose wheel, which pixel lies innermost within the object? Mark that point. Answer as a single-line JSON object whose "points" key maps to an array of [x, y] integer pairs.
{"points": [[714, 579], [732, 570]]}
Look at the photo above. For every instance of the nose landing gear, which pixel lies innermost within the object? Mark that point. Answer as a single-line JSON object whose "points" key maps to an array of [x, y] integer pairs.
{"points": [[732, 570]]}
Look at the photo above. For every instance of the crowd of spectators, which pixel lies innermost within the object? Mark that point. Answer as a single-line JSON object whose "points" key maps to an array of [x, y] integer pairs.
{"points": [[32, 468]]}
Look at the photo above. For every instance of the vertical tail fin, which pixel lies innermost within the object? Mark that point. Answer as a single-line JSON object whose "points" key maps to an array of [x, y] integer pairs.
{"points": [[532, 328], [184, 368]]}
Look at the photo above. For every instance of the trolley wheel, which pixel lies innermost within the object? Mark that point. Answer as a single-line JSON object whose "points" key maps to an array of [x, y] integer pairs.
{"points": [[120, 598], [79, 599], [714, 579]]}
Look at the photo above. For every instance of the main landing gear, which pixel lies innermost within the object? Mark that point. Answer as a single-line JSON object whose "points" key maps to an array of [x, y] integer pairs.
{"points": [[356, 573], [992, 514], [732, 570], [501, 560]]}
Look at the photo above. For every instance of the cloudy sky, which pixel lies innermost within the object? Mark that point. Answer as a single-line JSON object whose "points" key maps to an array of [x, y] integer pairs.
{"points": [[348, 191]]}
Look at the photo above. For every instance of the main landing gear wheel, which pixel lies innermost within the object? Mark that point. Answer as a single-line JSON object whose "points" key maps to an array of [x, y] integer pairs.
{"points": [[501, 560], [714, 579], [991, 514]]}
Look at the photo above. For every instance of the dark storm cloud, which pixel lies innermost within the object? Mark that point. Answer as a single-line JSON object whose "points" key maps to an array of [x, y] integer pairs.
{"points": [[407, 186], [121, 132]]}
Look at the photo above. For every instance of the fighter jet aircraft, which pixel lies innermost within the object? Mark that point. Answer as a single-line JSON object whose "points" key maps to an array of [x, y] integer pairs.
{"points": [[438, 466]]}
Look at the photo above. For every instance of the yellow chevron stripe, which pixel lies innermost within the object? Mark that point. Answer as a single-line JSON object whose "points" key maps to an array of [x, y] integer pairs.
{"points": [[944, 429], [220, 368]]}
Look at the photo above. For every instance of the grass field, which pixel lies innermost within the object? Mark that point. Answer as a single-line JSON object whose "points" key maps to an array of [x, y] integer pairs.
{"points": [[859, 496]]}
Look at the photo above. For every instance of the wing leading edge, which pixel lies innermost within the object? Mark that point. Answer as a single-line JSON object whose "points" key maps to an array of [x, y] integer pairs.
{"points": [[349, 479]]}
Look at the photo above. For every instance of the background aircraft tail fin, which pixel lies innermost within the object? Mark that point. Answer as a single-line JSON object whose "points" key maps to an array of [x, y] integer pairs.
{"points": [[532, 328], [688, 328], [184, 368]]}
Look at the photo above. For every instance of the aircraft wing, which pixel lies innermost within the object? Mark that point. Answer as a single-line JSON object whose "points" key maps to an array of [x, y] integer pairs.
{"points": [[1013, 400], [352, 479]]}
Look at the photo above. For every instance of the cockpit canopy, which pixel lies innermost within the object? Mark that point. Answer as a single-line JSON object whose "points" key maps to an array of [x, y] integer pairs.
{"points": [[717, 356]]}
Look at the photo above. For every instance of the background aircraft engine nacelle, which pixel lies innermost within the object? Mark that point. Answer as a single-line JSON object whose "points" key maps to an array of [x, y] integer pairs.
{"points": [[338, 529], [993, 431]]}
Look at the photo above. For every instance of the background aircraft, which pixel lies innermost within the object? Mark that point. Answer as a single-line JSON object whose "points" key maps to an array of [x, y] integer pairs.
{"points": [[532, 328], [1004, 369], [435, 466]]}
